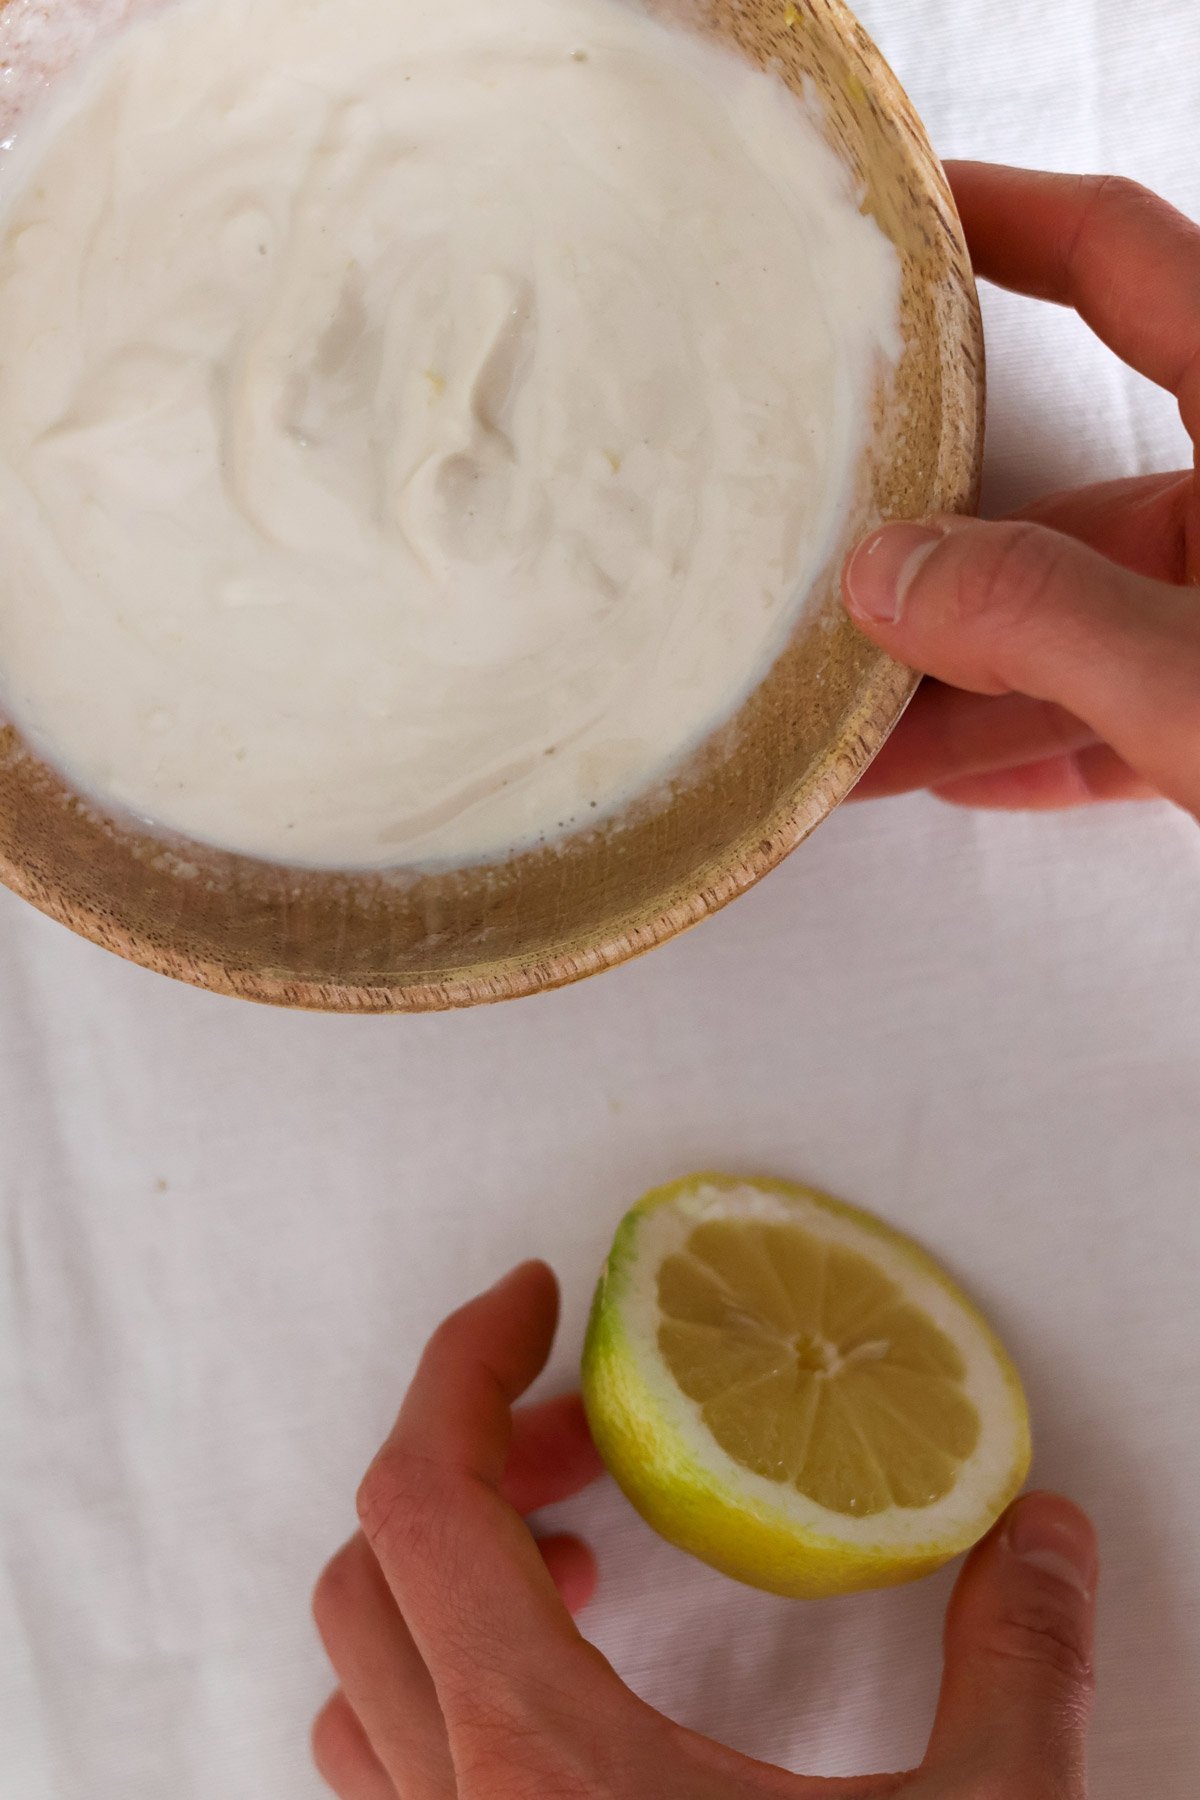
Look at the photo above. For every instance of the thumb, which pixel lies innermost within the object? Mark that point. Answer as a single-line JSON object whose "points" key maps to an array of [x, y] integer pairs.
{"points": [[1017, 608], [1017, 1686]]}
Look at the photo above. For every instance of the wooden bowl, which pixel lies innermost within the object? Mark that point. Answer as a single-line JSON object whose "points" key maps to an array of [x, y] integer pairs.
{"points": [[404, 942]]}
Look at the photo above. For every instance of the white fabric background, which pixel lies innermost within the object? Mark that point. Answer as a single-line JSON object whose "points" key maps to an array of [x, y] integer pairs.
{"points": [[226, 1231]]}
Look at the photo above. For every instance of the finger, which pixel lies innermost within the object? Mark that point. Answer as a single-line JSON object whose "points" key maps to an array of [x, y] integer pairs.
{"points": [[1017, 1687], [1014, 608], [382, 1675], [1128, 262], [1086, 778], [343, 1754], [551, 1455], [1140, 523], [459, 1560], [458, 1410], [947, 735], [572, 1569]]}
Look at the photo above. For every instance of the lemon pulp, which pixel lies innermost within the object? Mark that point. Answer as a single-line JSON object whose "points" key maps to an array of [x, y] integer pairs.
{"points": [[809, 1367]]}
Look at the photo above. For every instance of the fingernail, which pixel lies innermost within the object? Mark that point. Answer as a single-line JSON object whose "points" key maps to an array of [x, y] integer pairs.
{"points": [[880, 572], [1052, 1535]]}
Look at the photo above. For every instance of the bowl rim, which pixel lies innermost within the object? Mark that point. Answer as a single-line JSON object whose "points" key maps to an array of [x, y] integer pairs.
{"points": [[882, 701]]}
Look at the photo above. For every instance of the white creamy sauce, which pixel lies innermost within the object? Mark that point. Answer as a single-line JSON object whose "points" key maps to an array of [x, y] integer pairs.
{"points": [[419, 425]]}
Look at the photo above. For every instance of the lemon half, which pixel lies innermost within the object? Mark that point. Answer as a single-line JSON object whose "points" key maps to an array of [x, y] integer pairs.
{"points": [[795, 1393]]}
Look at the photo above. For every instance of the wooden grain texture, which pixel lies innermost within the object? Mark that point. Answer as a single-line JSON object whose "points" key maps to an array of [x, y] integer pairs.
{"points": [[409, 942]]}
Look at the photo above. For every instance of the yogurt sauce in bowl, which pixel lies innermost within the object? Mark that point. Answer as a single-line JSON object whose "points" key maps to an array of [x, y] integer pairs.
{"points": [[420, 427]]}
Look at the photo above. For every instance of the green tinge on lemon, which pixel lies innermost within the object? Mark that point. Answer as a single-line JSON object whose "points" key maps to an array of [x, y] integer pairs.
{"points": [[794, 1392]]}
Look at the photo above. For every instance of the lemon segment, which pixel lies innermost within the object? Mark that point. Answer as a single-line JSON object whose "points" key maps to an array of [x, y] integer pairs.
{"points": [[796, 1393]]}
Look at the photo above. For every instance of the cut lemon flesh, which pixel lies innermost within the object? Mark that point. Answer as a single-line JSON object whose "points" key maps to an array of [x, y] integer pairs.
{"points": [[796, 1393]]}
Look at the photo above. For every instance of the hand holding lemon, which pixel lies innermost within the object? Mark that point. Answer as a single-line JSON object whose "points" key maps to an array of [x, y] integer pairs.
{"points": [[462, 1675]]}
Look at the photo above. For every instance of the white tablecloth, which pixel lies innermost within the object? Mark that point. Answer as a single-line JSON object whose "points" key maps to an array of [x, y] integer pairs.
{"points": [[226, 1231]]}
